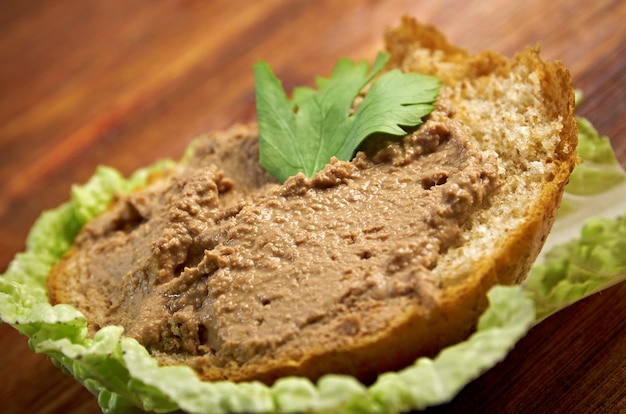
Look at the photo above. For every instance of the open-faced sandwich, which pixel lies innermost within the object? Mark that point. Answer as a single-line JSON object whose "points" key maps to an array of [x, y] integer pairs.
{"points": [[356, 229]]}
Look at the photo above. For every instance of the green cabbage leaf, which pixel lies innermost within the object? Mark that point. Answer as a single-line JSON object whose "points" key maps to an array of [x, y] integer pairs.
{"points": [[583, 254]]}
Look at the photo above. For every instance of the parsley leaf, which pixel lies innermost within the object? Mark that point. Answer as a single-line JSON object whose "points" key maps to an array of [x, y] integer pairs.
{"points": [[302, 134]]}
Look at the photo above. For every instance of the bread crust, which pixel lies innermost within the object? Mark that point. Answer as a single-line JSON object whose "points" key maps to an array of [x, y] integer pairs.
{"points": [[426, 329]]}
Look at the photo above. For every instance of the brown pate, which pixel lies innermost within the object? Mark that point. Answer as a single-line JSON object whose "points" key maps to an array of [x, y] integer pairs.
{"points": [[219, 263]]}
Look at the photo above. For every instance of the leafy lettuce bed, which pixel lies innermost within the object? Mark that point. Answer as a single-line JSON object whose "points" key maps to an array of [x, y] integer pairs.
{"points": [[583, 254]]}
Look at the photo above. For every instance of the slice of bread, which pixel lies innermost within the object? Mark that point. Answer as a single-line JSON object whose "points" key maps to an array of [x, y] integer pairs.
{"points": [[351, 309]]}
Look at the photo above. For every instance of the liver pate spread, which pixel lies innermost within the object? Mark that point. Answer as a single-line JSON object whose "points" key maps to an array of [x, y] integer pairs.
{"points": [[220, 264]]}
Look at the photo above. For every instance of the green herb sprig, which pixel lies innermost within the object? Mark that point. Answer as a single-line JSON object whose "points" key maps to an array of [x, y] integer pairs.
{"points": [[303, 133]]}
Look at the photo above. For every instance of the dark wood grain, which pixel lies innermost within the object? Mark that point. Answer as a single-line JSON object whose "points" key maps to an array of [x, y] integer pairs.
{"points": [[84, 83]]}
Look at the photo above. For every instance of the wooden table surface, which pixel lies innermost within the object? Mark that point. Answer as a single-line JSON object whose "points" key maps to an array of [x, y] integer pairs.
{"points": [[125, 83]]}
